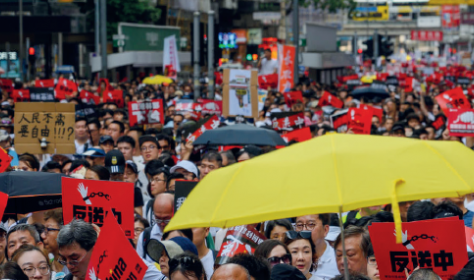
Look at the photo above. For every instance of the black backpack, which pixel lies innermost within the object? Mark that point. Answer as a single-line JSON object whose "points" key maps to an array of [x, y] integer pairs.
{"points": [[146, 238]]}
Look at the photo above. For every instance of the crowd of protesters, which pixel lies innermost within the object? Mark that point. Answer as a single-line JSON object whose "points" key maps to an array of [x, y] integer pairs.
{"points": [[41, 246]]}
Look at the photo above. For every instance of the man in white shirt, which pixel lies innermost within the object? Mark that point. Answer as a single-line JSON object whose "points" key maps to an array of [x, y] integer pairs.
{"points": [[266, 64], [319, 227], [81, 141], [205, 255]]}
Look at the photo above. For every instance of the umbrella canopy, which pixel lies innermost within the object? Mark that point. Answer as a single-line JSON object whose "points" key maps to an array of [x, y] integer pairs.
{"points": [[331, 173], [157, 80], [240, 134], [31, 191], [370, 92]]}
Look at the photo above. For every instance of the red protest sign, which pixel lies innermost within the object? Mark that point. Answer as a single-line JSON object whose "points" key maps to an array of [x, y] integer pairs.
{"points": [[293, 97], [114, 96], [330, 100], [268, 81], [287, 120], [211, 123], [360, 120], [240, 239], [6, 85], [211, 107], [438, 244], [453, 98], [4, 160], [339, 120], [376, 111], [187, 106], [461, 122], [146, 112], [3, 202], [65, 87], [87, 96], [89, 200], [409, 84], [44, 83], [109, 261], [469, 238], [21, 95], [299, 135]]}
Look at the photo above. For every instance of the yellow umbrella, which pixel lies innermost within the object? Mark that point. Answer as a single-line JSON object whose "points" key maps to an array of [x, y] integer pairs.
{"points": [[157, 80], [368, 79], [331, 173]]}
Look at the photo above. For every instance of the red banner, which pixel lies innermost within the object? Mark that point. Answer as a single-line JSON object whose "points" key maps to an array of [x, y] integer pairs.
{"points": [[376, 111], [330, 100], [409, 84], [87, 96], [187, 106], [89, 200], [21, 95], [110, 261], [452, 99], [461, 122], [438, 244], [268, 81], [115, 96], [212, 123], [286, 80], [211, 107], [299, 135], [360, 120], [284, 120], [339, 120], [293, 97], [450, 16], [240, 239], [5, 161], [65, 87], [44, 83], [3, 203], [424, 35], [146, 112], [6, 85]]}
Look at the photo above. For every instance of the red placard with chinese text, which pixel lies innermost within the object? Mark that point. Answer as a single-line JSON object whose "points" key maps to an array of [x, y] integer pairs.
{"points": [[65, 87], [461, 122], [330, 100], [286, 79], [146, 112], [5, 161], [212, 123], [452, 99], [240, 239], [6, 85], [293, 97], [21, 95], [114, 96], [44, 83], [211, 107], [286, 120], [359, 120]]}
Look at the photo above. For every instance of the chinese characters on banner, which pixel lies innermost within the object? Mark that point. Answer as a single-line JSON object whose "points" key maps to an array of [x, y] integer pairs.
{"points": [[89, 200], [47, 124], [41, 94], [450, 16], [182, 189], [146, 112], [461, 122], [65, 87], [286, 57], [452, 99], [211, 107], [360, 120], [109, 261], [207, 124], [286, 120], [170, 57], [6, 85], [44, 83], [21, 95], [339, 120], [114, 96], [424, 35], [240, 239], [438, 244]]}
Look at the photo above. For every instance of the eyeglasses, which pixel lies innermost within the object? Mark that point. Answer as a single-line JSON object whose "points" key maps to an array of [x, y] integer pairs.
{"points": [[47, 229], [144, 149], [72, 263], [31, 271], [138, 229], [157, 180], [187, 262], [283, 259], [162, 222], [308, 226], [295, 234]]}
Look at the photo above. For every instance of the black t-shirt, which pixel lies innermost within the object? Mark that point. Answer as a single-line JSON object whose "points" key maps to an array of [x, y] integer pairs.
{"points": [[68, 277], [138, 198]]}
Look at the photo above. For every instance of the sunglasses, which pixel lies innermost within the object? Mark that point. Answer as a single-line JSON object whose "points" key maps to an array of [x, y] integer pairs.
{"points": [[283, 259], [305, 234], [187, 262]]}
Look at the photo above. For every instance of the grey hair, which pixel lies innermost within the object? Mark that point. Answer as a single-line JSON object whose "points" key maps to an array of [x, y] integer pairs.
{"points": [[25, 227], [424, 274], [79, 232]]}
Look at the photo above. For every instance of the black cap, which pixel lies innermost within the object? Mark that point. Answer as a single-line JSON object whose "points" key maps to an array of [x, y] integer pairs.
{"points": [[148, 138], [115, 162], [398, 126], [132, 166], [106, 138], [285, 271]]}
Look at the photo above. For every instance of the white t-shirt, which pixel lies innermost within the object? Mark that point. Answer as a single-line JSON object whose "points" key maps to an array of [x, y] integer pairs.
{"points": [[82, 148], [208, 263], [327, 265], [268, 66]]}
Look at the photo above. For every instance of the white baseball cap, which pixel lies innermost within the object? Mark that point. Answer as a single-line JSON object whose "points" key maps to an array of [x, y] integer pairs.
{"points": [[186, 165], [333, 233]]}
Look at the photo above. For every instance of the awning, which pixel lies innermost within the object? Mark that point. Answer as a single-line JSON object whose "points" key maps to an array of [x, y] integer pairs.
{"points": [[327, 60]]}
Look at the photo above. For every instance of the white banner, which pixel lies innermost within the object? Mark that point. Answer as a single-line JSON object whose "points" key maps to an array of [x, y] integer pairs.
{"points": [[170, 56]]}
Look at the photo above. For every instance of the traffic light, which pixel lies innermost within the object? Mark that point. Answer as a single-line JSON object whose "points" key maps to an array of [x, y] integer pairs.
{"points": [[31, 60], [31, 51], [385, 46], [369, 51]]}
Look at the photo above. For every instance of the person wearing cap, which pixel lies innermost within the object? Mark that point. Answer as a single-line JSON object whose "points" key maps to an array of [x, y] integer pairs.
{"points": [[115, 163], [106, 143], [319, 226], [398, 130], [131, 176], [187, 168], [334, 230], [285, 271], [94, 156]]}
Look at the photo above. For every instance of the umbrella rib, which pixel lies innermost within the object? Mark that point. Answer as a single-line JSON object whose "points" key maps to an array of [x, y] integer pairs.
{"points": [[448, 164], [338, 183]]}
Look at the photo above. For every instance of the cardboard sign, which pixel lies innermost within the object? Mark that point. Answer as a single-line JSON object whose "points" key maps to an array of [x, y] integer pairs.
{"points": [[42, 94], [44, 83], [5, 161], [21, 95], [461, 122], [240, 239], [6, 85], [267, 81], [115, 96], [240, 93], [359, 120], [330, 100], [109, 261], [286, 120], [299, 135], [339, 120], [89, 97], [211, 107], [207, 124], [438, 244], [53, 122], [293, 97], [146, 112], [182, 189], [286, 80], [89, 200], [65, 87], [452, 99]]}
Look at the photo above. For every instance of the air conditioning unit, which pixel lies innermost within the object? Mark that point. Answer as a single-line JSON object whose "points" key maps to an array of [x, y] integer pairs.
{"points": [[229, 4]]}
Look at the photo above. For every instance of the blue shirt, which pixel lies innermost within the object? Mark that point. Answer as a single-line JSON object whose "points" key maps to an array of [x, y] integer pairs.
{"points": [[468, 218]]}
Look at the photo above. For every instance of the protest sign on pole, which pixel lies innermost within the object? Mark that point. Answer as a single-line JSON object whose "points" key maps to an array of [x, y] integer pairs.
{"points": [[438, 244], [240, 93], [182, 189], [146, 112], [89, 200], [286, 55], [170, 57], [113, 257], [240, 239], [44, 128], [461, 122]]}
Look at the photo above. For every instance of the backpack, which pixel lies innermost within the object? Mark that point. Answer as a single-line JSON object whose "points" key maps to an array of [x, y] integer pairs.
{"points": [[146, 238]]}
